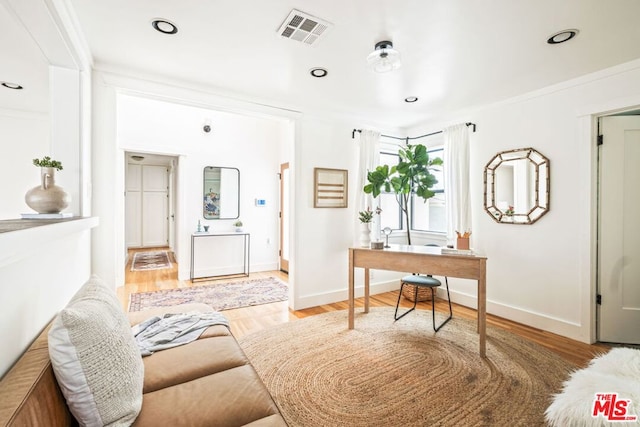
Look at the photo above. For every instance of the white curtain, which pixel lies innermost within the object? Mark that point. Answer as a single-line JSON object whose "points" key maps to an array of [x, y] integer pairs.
{"points": [[456, 180], [369, 158]]}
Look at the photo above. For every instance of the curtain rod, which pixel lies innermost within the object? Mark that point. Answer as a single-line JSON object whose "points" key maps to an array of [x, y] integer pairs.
{"points": [[408, 138]]}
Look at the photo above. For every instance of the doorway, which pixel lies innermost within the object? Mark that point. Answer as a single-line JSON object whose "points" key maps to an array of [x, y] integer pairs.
{"points": [[618, 235], [149, 200], [284, 217]]}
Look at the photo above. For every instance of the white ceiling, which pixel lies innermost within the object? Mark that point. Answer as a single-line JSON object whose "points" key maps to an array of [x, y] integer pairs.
{"points": [[22, 63], [456, 53]]}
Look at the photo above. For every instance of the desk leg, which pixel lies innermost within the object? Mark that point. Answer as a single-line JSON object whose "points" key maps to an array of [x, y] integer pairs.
{"points": [[366, 290], [482, 309], [351, 290]]}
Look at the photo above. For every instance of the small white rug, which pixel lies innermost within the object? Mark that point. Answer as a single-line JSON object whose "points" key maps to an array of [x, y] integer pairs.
{"points": [[605, 393]]}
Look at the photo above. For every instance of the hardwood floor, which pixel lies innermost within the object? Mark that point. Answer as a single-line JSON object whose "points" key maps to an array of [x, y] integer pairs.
{"points": [[250, 319]]}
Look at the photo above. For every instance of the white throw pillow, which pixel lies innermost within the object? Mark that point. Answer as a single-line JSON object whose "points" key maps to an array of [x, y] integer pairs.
{"points": [[95, 358]]}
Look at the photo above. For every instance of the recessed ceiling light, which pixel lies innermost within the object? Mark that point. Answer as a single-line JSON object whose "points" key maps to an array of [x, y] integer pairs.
{"points": [[318, 72], [11, 85], [411, 99], [164, 26], [562, 36]]}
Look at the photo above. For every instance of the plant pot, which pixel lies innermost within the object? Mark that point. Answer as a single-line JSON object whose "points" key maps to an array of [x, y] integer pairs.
{"points": [[365, 234], [47, 197]]}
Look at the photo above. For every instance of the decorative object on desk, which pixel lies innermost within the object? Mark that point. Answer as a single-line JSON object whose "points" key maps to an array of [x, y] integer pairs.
{"points": [[199, 229], [330, 188], [206, 228], [220, 296], [152, 260], [47, 198], [61, 215], [238, 226], [377, 245], [411, 176], [387, 232], [517, 186], [365, 218], [319, 374], [462, 241]]}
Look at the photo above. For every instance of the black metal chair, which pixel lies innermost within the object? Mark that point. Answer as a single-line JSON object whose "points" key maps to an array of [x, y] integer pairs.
{"points": [[428, 281]]}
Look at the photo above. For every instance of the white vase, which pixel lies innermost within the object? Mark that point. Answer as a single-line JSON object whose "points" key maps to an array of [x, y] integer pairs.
{"points": [[47, 197], [365, 234]]}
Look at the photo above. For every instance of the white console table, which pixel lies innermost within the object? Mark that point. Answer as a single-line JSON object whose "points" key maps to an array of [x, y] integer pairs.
{"points": [[226, 254]]}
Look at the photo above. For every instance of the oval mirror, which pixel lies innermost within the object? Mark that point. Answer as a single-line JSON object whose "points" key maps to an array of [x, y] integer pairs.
{"points": [[221, 193], [516, 186]]}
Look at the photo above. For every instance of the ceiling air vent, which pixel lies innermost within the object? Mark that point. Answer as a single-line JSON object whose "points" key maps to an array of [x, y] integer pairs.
{"points": [[304, 28]]}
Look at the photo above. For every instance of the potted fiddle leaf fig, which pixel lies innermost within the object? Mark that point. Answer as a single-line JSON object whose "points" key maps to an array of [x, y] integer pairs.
{"points": [[412, 175]]}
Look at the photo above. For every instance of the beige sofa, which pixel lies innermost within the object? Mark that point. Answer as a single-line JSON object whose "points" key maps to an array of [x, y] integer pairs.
{"points": [[208, 382]]}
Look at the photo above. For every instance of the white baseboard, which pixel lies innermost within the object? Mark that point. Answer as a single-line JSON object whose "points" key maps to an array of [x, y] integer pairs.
{"points": [[516, 314], [342, 295], [526, 317], [183, 274]]}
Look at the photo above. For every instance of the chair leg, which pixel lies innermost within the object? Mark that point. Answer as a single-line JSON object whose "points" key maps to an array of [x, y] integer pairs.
{"points": [[415, 301], [433, 308]]}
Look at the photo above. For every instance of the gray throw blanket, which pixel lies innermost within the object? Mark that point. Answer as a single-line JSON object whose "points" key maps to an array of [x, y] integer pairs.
{"points": [[171, 330]]}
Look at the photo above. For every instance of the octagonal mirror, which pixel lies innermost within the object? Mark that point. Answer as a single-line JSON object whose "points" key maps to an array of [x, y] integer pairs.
{"points": [[516, 186]]}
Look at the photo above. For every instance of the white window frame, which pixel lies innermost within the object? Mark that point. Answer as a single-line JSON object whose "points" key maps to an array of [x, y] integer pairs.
{"points": [[433, 143]]}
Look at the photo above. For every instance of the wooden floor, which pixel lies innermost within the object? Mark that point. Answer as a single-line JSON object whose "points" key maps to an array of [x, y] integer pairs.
{"points": [[250, 319]]}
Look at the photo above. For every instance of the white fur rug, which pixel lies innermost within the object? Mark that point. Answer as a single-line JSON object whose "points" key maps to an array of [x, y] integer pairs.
{"points": [[617, 371]]}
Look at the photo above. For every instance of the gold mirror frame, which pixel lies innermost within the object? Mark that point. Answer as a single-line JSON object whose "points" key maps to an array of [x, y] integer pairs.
{"points": [[533, 186]]}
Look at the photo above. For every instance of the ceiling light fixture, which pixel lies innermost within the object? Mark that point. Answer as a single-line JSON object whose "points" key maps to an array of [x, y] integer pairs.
{"points": [[562, 36], [164, 26], [11, 85], [384, 58], [318, 72], [411, 99]]}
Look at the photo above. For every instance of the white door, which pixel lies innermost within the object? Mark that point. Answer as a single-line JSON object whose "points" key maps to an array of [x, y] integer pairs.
{"points": [[133, 206], [155, 205], [619, 230]]}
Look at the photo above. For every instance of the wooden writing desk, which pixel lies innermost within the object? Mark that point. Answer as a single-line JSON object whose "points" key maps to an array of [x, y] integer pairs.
{"points": [[420, 259]]}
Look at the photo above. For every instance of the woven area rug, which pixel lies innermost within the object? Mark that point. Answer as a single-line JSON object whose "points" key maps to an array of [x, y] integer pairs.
{"points": [[154, 260], [220, 296], [386, 373]]}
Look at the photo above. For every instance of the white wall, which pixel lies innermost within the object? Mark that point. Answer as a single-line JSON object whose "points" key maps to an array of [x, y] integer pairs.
{"points": [[40, 270], [24, 136], [542, 274], [250, 142], [247, 143], [324, 235]]}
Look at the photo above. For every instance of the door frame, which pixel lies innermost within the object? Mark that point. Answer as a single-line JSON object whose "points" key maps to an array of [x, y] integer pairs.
{"points": [[284, 263], [588, 134], [598, 189]]}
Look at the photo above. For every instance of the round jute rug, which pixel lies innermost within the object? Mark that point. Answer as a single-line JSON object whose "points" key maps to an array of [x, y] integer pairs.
{"points": [[386, 373]]}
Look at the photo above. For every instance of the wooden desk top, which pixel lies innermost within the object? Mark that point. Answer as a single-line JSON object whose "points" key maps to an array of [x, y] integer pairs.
{"points": [[421, 250]]}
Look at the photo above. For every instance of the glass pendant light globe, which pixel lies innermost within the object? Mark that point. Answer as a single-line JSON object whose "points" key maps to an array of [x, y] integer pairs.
{"points": [[384, 58]]}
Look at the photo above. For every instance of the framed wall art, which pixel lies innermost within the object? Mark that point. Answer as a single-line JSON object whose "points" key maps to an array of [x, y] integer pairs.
{"points": [[330, 188]]}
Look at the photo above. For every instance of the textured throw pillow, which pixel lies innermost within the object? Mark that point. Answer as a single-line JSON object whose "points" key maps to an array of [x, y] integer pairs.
{"points": [[95, 358]]}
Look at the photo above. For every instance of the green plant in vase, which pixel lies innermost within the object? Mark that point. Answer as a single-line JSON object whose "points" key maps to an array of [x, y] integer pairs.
{"points": [[412, 175]]}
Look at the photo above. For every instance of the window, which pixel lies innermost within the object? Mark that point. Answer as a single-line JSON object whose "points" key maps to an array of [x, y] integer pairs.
{"points": [[423, 216], [431, 215], [391, 215]]}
